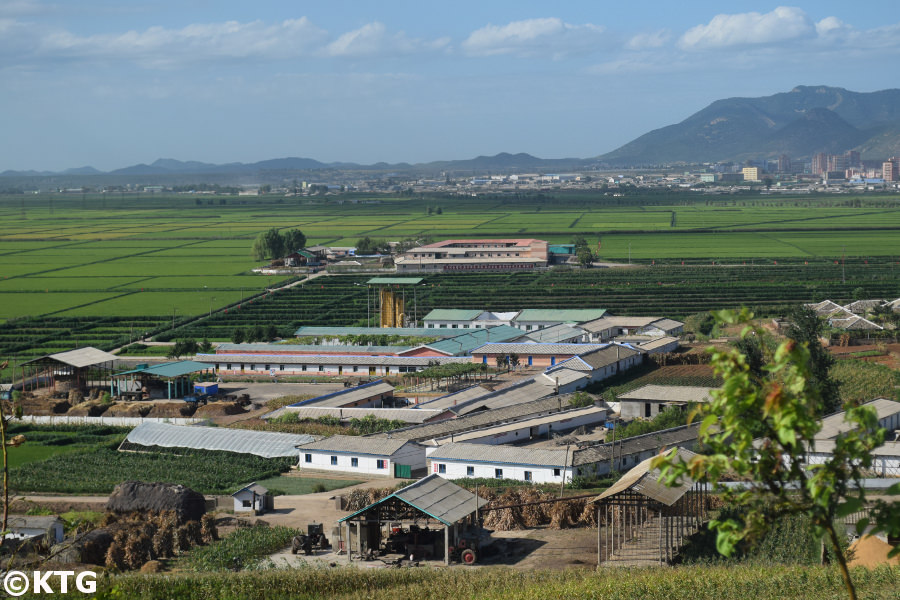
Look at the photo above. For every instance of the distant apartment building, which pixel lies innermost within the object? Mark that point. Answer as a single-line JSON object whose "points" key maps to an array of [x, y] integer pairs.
{"points": [[784, 164], [819, 163], [751, 173], [475, 255], [890, 170]]}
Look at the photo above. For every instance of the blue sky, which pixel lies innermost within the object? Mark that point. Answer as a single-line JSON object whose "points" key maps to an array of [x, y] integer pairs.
{"points": [[110, 83]]}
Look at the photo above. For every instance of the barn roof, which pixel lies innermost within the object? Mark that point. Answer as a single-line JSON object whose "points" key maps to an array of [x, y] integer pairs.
{"points": [[81, 357], [434, 496], [644, 480]]}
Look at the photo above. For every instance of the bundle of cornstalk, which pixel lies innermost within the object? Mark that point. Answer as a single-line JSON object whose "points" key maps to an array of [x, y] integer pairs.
{"points": [[556, 515]]}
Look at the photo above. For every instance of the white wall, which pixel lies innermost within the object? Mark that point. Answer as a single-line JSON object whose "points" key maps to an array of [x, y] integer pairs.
{"points": [[248, 495], [458, 470], [112, 421], [409, 454]]}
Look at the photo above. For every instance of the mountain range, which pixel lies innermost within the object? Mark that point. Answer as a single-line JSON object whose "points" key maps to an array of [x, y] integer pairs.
{"points": [[799, 123]]}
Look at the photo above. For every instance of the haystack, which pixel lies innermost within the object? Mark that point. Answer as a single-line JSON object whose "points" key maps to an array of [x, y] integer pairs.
{"points": [[132, 496], [88, 409]]}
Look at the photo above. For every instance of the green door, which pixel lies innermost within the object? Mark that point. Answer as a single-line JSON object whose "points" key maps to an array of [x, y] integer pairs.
{"points": [[402, 471]]}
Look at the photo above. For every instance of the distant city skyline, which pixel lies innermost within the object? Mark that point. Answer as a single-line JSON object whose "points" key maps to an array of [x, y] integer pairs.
{"points": [[112, 84]]}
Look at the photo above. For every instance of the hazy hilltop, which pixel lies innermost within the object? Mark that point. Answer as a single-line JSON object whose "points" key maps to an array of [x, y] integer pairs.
{"points": [[799, 123]]}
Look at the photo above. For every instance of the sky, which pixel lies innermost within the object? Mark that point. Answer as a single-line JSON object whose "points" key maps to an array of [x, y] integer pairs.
{"points": [[112, 83]]}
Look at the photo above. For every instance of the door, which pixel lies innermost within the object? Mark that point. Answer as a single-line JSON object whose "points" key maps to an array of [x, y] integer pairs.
{"points": [[402, 471], [371, 371]]}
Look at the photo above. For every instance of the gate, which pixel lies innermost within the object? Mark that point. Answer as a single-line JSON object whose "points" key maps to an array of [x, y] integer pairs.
{"points": [[402, 471]]}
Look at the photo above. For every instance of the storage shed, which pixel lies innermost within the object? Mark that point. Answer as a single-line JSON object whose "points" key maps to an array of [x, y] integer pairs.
{"points": [[432, 501], [253, 498]]}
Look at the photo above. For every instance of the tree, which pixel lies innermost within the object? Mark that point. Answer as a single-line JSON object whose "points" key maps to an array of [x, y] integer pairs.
{"points": [[238, 335], [271, 332], [513, 360], [205, 346], [367, 245], [268, 245], [184, 347], [806, 328], [501, 361], [759, 430], [255, 334], [292, 240]]}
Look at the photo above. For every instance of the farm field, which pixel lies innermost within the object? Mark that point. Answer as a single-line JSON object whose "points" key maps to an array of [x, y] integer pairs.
{"points": [[715, 582], [101, 467], [106, 270]]}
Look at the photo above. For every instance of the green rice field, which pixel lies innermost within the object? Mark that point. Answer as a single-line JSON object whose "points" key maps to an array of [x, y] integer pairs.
{"points": [[105, 270]]}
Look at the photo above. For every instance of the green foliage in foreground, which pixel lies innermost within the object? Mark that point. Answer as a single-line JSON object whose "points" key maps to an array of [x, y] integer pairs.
{"points": [[98, 471], [244, 548], [682, 583]]}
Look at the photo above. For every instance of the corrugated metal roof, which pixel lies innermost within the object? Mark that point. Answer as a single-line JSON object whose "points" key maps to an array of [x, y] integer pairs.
{"points": [[608, 354], [349, 395], [641, 443], [834, 424], [645, 481], [407, 415], [556, 417], [470, 339], [669, 393], [606, 322], [536, 349], [306, 348], [311, 331], [511, 413], [245, 441], [394, 280], [655, 343], [78, 358], [667, 324], [565, 376], [500, 454], [527, 391], [460, 397], [358, 445], [452, 314], [855, 323], [176, 368], [555, 333], [560, 315], [436, 497], [330, 359]]}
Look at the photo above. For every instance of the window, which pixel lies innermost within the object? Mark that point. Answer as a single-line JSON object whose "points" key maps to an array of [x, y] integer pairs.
{"points": [[498, 473], [381, 464], [307, 458], [334, 460], [228, 367], [442, 468], [356, 369], [321, 368], [246, 503], [470, 471], [556, 472], [354, 462], [527, 475], [267, 367], [303, 368], [281, 367]]}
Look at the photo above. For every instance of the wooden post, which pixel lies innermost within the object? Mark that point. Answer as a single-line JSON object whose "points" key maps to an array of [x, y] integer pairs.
{"points": [[447, 546]]}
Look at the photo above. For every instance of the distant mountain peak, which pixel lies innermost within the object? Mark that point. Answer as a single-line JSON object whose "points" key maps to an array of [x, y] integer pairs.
{"points": [[806, 120]]}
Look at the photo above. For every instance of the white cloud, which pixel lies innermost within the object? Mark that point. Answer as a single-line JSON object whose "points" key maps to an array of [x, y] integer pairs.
{"points": [[16, 8], [653, 39], [533, 37], [744, 29], [373, 39], [160, 46]]}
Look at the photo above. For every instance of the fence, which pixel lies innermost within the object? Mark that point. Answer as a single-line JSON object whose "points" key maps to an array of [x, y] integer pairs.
{"points": [[113, 421]]}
